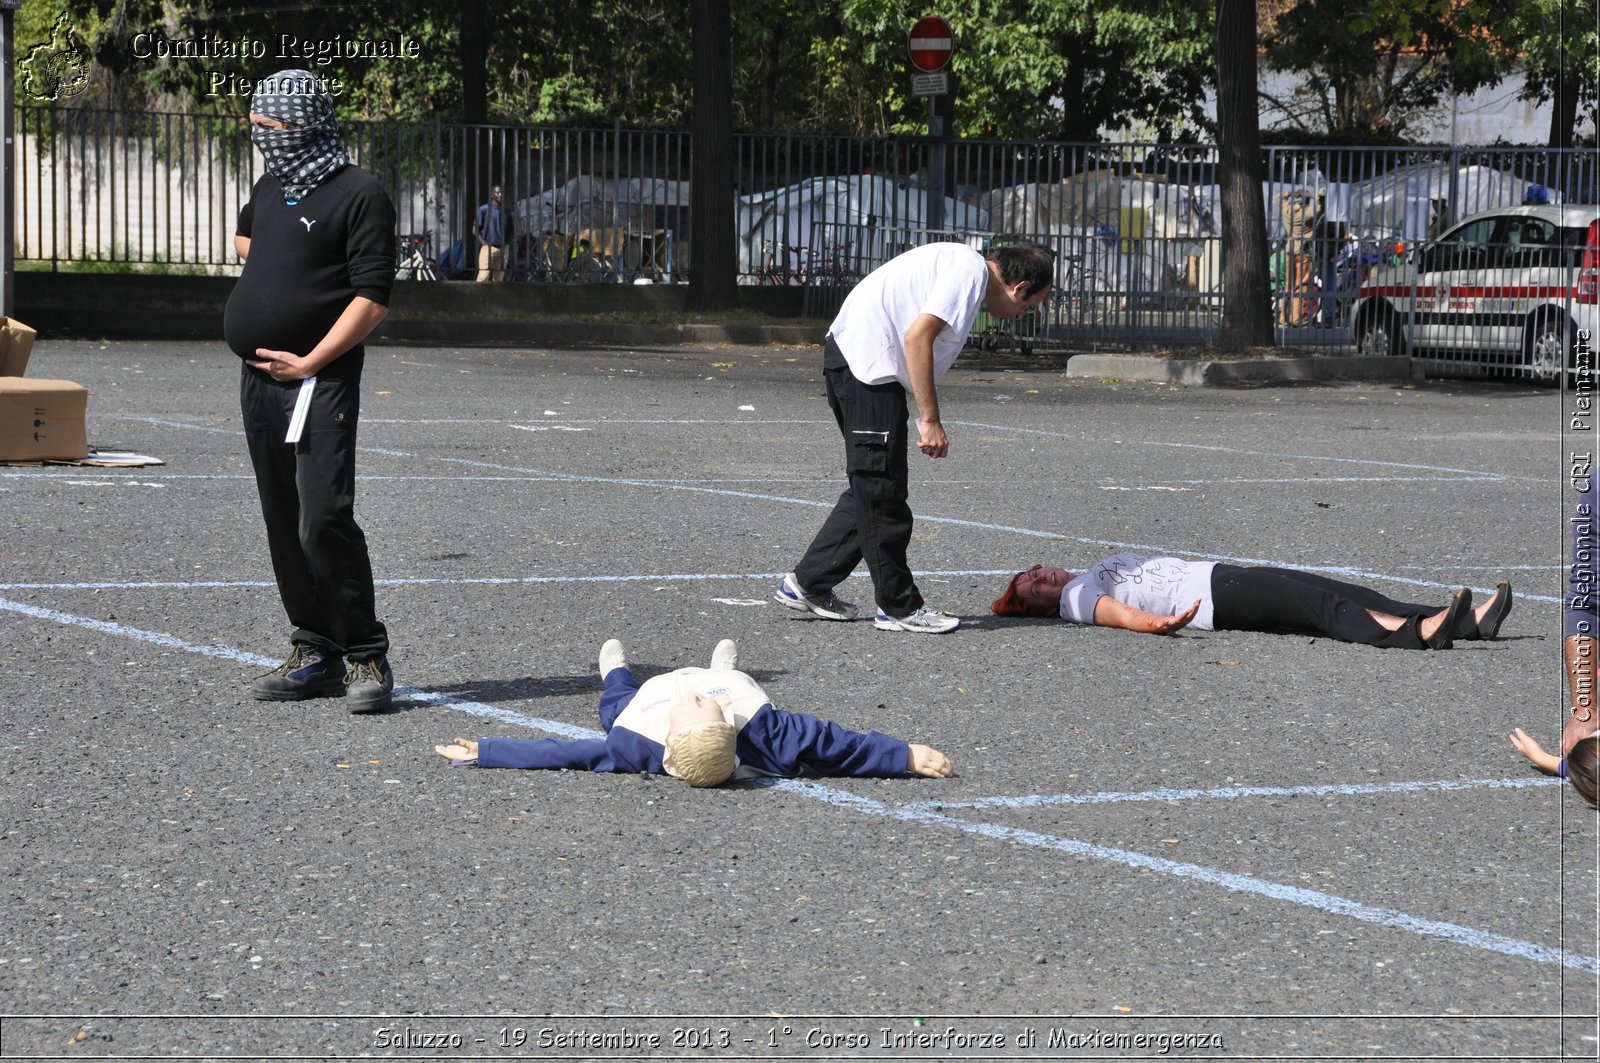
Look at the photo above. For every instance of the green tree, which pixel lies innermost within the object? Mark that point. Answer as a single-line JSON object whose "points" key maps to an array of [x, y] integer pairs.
{"points": [[1038, 68], [1557, 45], [1370, 68]]}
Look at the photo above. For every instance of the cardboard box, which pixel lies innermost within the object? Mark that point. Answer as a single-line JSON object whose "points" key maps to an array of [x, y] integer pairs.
{"points": [[16, 343], [42, 420]]}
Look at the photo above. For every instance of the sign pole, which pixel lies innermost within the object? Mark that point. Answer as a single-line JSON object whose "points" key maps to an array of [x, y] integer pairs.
{"points": [[935, 168], [929, 48]]}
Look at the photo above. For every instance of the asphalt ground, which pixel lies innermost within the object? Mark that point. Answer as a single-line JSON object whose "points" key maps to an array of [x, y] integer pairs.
{"points": [[1217, 844]]}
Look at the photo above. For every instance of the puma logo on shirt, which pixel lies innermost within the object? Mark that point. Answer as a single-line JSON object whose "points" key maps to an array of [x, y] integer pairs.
{"points": [[307, 224]]}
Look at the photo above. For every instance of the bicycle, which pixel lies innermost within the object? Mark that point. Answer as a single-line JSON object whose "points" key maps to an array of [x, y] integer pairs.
{"points": [[833, 269], [781, 273], [414, 258], [1085, 296], [587, 267]]}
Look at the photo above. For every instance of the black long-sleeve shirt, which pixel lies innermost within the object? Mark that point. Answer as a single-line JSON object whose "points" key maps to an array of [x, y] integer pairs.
{"points": [[307, 262]]}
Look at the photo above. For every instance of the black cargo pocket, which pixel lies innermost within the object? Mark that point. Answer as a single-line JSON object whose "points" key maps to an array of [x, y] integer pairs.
{"points": [[867, 450]]}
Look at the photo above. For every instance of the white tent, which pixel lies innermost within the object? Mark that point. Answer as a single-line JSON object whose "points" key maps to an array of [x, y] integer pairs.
{"points": [[858, 222], [1417, 202], [589, 202], [1134, 232]]}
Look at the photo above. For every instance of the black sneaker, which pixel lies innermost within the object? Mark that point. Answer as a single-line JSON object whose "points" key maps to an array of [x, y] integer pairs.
{"points": [[308, 673], [369, 685]]}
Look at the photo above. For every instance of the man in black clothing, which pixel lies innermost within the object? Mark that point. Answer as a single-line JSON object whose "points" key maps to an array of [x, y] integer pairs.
{"points": [[317, 237]]}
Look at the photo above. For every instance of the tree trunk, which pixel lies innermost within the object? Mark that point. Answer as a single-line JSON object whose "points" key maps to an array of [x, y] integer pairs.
{"points": [[1563, 116], [713, 261], [1247, 305], [474, 62], [477, 170]]}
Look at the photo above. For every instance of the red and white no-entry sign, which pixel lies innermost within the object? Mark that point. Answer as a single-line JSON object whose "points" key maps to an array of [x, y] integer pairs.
{"points": [[931, 43]]}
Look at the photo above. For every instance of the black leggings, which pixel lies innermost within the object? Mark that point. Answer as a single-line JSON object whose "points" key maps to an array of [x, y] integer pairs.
{"points": [[1287, 600]]}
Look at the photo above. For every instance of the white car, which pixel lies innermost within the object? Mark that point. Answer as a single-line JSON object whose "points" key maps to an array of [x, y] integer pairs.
{"points": [[1512, 288]]}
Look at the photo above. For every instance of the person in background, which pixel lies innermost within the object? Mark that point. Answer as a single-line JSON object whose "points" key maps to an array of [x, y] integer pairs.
{"points": [[1298, 215], [493, 227]]}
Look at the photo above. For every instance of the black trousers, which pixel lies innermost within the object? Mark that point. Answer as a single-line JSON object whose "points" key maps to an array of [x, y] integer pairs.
{"points": [[1284, 599], [872, 519], [308, 494]]}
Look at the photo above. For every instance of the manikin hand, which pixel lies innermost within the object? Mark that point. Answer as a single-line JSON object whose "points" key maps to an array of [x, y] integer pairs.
{"points": [[925, 760], [459, 750]]}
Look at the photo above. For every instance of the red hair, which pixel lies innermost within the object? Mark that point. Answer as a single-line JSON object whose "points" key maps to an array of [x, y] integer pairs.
{"points": [[1013, 604]]}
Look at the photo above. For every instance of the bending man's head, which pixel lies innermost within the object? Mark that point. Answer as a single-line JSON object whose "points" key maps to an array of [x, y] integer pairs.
{"points": [[1025, 263], [1020, 276]]}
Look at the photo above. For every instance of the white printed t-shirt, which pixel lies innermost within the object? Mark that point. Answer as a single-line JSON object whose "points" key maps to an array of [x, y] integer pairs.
{"points": [[1165, 586], [946, 280]]}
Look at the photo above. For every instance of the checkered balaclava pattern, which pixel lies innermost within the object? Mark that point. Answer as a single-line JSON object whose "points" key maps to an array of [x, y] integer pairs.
{"points": [[303, 157]]}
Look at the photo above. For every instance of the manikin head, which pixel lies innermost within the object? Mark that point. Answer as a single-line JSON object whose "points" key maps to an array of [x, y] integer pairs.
{"points": [[700, 741]]}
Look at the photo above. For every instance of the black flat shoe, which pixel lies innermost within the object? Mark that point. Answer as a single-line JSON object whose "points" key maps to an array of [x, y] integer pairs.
{"points": [[1499, 609], [1443, 636]]}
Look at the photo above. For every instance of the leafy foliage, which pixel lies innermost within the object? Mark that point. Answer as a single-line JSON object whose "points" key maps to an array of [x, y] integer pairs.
{"points": [[1025, 69], [1371, 69]]}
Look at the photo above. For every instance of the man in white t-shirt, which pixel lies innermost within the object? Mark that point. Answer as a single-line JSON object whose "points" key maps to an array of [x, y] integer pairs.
{"points": [[897, 333]]}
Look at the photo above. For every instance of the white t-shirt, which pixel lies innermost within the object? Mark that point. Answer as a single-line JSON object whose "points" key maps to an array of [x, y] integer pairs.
{"points": [[1165, 586], [946, 280]]}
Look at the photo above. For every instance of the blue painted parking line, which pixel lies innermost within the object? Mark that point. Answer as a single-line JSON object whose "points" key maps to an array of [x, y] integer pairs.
{"points": [[648, 577], [1232, 792], [1476, 474], [921, 814], [1392, 918], [680, 577]]}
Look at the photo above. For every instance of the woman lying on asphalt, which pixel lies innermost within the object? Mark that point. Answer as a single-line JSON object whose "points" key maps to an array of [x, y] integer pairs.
{"points": [[1161, 595]]}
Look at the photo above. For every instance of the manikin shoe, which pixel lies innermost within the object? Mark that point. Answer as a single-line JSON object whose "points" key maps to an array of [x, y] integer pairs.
{"points": [[612, 657], [725, 658]]}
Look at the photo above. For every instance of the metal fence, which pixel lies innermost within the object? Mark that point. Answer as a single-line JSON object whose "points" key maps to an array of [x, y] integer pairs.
{"points": [[1135, 226]]}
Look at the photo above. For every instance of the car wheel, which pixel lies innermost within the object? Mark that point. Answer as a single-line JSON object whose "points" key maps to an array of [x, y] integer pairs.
{"points": [[1379, 335], [1547, 346]]}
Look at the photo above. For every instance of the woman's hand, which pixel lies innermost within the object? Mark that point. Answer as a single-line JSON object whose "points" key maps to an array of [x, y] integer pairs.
{"points": [[1166, 625], [1534, 752]]}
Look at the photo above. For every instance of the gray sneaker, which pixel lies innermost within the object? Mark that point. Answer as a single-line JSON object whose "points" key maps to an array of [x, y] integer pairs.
{"points": [[828, 606], [307, 673], [924, 619], [369, 685]]}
